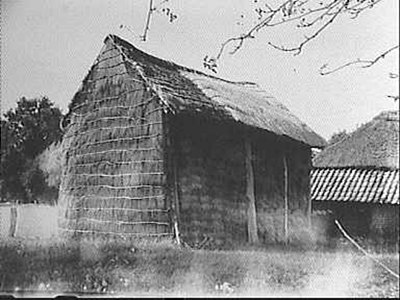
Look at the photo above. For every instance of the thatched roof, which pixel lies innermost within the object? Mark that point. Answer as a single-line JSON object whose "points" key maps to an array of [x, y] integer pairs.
{"points": [[373, 145], [355, 185], [184, 89]]}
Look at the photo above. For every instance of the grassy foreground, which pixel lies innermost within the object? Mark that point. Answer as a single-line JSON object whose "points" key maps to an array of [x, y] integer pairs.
{"points": [[162, 269]]}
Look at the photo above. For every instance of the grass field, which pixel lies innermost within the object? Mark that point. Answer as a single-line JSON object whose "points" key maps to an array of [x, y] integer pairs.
{"points": [[164, 269]]}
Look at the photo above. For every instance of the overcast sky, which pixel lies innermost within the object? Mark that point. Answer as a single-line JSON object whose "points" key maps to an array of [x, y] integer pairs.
{"points": [[49, 45]]}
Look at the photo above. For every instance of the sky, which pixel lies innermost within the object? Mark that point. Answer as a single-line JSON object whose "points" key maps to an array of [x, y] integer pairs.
{"points": [[48, 46]]}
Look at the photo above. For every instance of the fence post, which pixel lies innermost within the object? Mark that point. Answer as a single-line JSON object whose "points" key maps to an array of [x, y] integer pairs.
{"points": [[13, 219]]}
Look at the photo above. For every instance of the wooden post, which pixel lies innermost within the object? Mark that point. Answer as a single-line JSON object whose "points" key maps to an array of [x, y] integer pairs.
{"points": [[176, 198], [285, 168], [13, 219], [251, 207], [172, 170]]}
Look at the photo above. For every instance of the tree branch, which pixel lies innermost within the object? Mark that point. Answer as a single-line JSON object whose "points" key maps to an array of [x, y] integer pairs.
{"points": [[323, 12], [395, 98], [364, 63], [147, 27], [299, 48]]}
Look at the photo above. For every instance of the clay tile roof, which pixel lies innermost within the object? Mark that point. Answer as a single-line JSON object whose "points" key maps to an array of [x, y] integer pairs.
{"points": [[355, 185], [364, 167], [189, 90]]}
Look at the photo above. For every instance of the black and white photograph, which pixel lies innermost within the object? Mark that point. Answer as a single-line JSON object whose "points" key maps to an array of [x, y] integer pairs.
{"points": [[215, 148]]}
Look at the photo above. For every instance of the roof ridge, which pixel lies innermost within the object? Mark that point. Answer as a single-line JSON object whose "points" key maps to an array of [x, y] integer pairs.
{"points": [[116, 39], [383, 116], [140, 72]]}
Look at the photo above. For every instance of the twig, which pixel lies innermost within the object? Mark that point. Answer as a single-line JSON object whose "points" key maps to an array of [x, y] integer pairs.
{"points": [[292, 10], [395, 98], [307, 39], [147, 27], [366, 63], [346, 235], [250, 33]]}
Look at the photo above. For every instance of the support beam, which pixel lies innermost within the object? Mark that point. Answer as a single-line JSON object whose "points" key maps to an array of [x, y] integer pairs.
{"points": [[309, 208], [176, 200], [286, 226], [250, 195], [171, 168]]}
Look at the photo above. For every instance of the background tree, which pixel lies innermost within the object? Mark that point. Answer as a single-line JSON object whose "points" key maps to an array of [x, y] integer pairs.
{"points": [[26, 132], [337, 137]]}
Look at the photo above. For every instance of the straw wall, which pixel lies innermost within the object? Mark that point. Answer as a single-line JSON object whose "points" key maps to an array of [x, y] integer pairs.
{"points": [[113, 179], [212, 182], [269, 154]]}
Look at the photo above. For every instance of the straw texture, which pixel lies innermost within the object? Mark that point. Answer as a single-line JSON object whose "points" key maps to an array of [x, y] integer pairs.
{"points": [[113, 178], [375, 144], [185, 89]]}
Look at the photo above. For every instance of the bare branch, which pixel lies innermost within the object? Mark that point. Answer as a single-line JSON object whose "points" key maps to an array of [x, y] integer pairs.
{"points": [[147, 27], [395, 98], [299, 48], [393, 75], [250, 34], [167, 11], [363, 63], [306, 12]]}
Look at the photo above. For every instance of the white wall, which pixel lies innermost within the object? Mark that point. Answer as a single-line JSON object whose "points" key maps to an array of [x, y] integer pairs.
{"points": [[33, 221]]}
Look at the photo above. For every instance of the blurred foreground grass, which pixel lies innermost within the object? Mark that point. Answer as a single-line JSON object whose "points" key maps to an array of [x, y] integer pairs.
{"points": [[163, 269]]}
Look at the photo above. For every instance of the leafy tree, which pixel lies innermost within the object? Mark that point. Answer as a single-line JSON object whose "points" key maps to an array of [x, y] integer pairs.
{"points": [[337, 137], [25, 132]]}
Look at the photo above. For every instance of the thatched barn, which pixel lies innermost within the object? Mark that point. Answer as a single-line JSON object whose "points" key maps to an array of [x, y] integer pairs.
{"points": [[356, 180], [157, 149]]}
